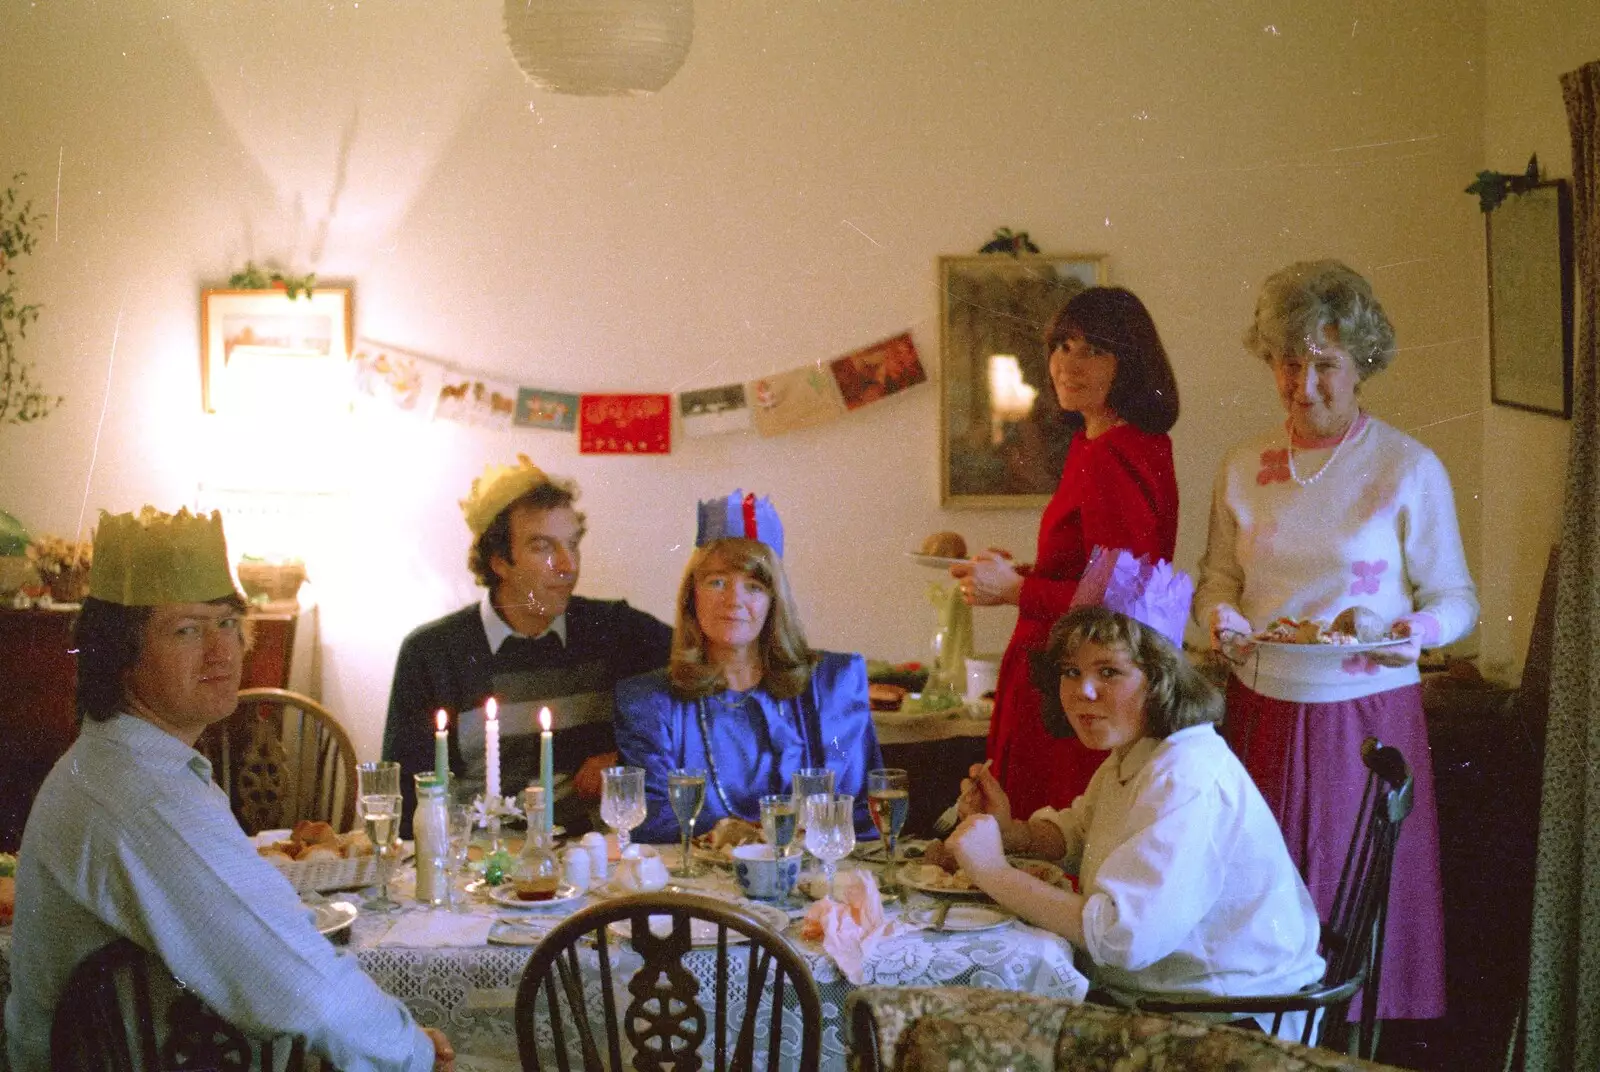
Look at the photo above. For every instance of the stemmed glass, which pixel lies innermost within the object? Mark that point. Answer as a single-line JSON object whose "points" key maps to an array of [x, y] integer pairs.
{"points": [[622, 803], [889, 802], [686, 790], [462, 823], [830, 830], [779, 821], [381, 813], [808, 782], [378, 791]]}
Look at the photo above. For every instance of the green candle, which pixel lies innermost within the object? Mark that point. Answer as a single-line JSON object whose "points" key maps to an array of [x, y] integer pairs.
{"points": [[441, 748], [546, 768]]}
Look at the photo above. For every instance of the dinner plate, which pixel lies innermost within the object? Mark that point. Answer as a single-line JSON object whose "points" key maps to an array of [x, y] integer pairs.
{"points": [[526, 930], [963, 917], [703, 932], [909, 877], [505, 894], [331, 917], [1330, 649], [937, 562]]}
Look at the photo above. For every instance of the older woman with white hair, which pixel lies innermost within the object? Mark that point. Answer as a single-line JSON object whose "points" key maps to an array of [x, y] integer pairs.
{"points": [[1337, 512]]}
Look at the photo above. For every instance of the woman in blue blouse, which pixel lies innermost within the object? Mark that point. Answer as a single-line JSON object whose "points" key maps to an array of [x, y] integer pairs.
{"points": [[743, 696]]}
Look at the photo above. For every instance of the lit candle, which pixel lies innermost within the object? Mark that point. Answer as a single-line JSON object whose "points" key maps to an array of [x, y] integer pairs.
{"points": [[441, 748], [491, 751], [546, 763]]}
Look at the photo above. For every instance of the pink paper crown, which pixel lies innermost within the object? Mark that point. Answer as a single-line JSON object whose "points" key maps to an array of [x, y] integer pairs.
{"points": [[1153, 594]]}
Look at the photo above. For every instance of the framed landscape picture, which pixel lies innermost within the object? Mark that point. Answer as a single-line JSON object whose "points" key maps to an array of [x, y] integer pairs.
{"points": [[265, 352], [1002, 440]]}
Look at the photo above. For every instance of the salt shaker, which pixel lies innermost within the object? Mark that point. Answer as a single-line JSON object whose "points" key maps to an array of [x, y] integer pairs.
{"points": [[575, 867], [594, 843]]}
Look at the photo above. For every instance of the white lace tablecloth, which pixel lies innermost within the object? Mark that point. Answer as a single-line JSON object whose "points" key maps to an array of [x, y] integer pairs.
{"points": [[469, 992]]}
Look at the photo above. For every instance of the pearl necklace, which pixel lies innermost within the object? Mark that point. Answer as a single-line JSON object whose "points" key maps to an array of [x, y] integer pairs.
{"points": [[1337, 447]]}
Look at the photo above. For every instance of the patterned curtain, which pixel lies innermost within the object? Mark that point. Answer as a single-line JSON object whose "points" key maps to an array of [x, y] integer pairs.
{"points": [[1564, 976]]}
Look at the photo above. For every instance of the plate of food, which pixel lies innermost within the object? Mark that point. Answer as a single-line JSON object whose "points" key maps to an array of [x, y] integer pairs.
{"points": [[938, 562], [703, 932], [506, 895], [716, 845], [931, 878], [1355, 629]]}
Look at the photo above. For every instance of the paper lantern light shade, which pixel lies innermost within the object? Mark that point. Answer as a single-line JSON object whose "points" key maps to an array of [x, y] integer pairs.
{"points": [[600, 48]]}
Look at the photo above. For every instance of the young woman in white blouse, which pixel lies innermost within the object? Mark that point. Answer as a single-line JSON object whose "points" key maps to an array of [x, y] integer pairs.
{"points": [[1187, 887]]}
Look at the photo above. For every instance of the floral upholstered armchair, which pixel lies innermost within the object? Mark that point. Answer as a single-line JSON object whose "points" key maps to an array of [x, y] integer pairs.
{"points": [[942, 1029]]}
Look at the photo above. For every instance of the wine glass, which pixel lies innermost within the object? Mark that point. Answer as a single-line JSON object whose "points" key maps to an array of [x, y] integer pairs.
{"points": [[381, 814], [686, 789], [830, 830], [377, 779], [779, 821], [622, 803], [809, 781], [889, 802], [462, 823]]}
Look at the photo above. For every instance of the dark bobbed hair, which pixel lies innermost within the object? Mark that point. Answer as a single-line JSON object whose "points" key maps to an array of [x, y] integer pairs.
{"points": [[110, 637], [1176, 695], [495, 541], [786, 659], [1144, 391]]}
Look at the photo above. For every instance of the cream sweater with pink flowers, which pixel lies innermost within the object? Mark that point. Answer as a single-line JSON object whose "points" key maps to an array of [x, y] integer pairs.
{"points": [[1374, 524]]}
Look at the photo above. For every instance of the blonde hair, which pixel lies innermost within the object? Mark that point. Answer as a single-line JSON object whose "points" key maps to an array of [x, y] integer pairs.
{"points": [[786, 659]]}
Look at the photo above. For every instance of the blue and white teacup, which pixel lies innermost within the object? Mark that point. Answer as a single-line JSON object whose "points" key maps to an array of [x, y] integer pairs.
{"points": [[760, 876]]}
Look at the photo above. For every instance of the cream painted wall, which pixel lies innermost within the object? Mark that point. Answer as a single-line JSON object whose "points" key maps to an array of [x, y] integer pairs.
{"points": [[783, 200], [1529, 47]]}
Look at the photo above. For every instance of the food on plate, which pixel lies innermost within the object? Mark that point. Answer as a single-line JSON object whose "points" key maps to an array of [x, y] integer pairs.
{"points": [[1366, 625], [1293, 631], [311, 842], [945, 545], [886, 697], [939, 870], [733, 831], [934, 877]]}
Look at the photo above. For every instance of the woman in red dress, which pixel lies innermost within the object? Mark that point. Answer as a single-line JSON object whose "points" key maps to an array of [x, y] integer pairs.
{"points": [[1117, 490]]}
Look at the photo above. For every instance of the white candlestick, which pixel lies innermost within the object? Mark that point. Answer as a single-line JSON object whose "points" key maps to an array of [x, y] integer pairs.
{"points": [[491, 752]]}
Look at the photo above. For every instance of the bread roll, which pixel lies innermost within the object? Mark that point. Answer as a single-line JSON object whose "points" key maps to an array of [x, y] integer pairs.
{"points": [[1363, 624], [945, 545], [884, 697], [274, 856], [319, 852], [315, 833]]}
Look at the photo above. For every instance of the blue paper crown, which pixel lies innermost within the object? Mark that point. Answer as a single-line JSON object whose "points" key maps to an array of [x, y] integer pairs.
{"points": [[749, 517]]}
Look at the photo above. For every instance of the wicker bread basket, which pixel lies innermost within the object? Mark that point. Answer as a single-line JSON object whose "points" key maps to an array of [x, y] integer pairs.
{"points": [[324, 875]]}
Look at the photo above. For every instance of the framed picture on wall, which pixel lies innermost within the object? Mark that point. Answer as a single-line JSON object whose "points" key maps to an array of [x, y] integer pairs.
{"points": [[1530, 300], [264, 352], [1002, 437]]}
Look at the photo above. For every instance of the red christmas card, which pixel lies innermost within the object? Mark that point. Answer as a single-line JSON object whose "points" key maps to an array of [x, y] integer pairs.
{"points": [[625, 424]]}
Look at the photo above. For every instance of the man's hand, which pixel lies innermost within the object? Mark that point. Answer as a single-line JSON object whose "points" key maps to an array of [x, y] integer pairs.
{"points": [[586, 783], [444, 1055]]}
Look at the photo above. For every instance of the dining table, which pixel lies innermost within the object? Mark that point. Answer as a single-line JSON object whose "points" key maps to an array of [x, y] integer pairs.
{"points": [[457, 968]]}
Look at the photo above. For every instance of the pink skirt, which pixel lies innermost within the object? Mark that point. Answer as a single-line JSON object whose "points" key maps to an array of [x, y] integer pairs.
{"points": [[1306, 760]]}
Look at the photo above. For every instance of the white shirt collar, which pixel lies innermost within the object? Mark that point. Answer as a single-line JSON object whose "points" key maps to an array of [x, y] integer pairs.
{"points": [[496, 629]]}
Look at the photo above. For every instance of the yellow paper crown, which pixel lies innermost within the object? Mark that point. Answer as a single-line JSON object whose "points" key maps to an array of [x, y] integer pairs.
{"points": [[502, 485], [151, 557]]}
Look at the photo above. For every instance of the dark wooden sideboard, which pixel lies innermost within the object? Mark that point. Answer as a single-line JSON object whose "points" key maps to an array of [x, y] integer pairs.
{"points": [[38, 688]]}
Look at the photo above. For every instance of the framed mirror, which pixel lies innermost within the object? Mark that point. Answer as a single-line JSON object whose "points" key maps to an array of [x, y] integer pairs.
{"points": [[1530, 300], [1002, 437]]}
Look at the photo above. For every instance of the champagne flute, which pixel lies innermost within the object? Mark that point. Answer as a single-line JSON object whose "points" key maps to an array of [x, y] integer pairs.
{"points": [[622, 803], [686, 789], [830, 830], [779, 821], [889, 802], [381, 814]]}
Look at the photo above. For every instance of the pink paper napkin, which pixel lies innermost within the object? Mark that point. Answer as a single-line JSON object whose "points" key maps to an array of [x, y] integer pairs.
{"points": [[851, 927]]}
